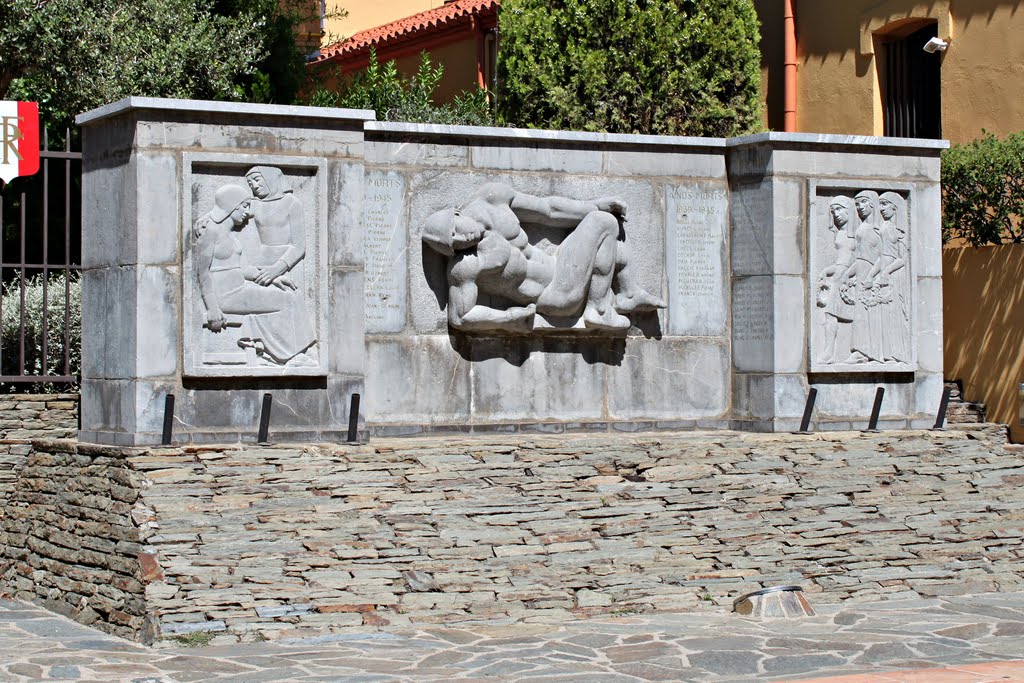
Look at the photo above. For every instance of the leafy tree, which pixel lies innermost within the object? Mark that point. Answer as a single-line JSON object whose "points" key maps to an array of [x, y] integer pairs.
{"points": [[74, 55], [396, 97], [671, 67], [983, 190]]}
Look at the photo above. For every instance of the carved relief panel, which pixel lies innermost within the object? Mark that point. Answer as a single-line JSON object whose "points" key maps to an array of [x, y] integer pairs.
{"points": [[254, 245], [500, 279], [861, 280]]}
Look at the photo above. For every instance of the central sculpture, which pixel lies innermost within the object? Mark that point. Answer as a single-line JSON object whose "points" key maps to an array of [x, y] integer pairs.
{"points": [[588, 277]]}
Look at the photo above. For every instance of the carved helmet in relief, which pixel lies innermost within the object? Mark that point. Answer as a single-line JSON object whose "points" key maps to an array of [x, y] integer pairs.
{"points": [[439, 231], [226, 199]]}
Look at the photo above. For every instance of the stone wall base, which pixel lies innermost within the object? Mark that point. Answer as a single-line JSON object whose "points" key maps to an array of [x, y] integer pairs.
{"points": [[38, 416], [256, 543]]}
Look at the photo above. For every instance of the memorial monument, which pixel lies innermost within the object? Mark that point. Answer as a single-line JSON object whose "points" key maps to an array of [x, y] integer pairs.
{"points": [[477, 279]]}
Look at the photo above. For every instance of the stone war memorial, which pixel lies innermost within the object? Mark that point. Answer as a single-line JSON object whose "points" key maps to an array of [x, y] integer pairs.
{"points": [[580, 359], [474, 280]]}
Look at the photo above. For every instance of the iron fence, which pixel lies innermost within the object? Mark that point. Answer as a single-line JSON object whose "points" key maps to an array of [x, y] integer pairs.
{"points": [[40, 271]]}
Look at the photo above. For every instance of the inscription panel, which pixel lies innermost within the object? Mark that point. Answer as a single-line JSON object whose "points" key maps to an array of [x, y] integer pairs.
{"points": [[753, 323], [696, 219], [385, 248]]}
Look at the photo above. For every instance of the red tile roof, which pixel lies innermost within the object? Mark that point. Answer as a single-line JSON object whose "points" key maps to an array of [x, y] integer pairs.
{"points": [[448, 15]]}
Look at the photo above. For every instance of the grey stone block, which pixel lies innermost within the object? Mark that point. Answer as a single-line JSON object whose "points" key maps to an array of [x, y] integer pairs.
{"points": [[665, 164], [345, 194], [790, 395], [539, 379], [537, 157], [108, 209], [420, 379], [158, 349], [107, 405], [790, 336], [929, 324], [839, 163], [854, 399], [345, 323], [157, 201], [926, 229], [789, 226], [669, 379], [752, 242], [927, 394], [109, 322], [416, 154]]}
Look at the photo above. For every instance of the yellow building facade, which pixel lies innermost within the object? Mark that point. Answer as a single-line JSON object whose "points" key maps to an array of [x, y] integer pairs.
{"points": [[842, 62]]}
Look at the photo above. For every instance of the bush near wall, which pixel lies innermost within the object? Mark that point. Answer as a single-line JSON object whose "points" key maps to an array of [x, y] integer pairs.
{"points": [[983, 191], [662, 67], [64, 298]]}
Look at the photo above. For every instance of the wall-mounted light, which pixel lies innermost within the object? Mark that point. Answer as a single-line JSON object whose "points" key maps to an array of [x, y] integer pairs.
{"points": [[936, 45]]}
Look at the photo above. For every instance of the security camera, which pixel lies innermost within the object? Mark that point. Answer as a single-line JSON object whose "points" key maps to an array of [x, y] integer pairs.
{"points": [[936, 45]]}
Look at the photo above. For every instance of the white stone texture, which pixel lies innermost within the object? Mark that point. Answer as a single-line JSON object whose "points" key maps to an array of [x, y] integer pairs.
{"points": [[668, 379], [416, 380]]}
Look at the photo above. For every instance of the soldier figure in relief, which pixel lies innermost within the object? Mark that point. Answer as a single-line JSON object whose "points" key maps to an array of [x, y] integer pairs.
{"points": [[490, 254]]}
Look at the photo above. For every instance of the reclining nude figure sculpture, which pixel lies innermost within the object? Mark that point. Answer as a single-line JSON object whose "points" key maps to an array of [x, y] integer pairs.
{"points": [[490, 254]]}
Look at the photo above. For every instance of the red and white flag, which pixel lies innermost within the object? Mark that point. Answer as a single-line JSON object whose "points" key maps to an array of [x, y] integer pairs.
{"points": [[19, 139]]}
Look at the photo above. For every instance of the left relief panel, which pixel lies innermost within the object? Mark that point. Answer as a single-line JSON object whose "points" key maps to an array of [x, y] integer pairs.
{"points": [[254, 284]]}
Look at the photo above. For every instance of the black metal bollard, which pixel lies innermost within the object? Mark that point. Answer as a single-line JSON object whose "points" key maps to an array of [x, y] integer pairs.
{"points": [[876, 410], [353, 420], [805, 422], [940, 419], [168, 420], [265, 419]]}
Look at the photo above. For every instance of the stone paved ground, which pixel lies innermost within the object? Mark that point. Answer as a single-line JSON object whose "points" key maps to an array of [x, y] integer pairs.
{"points": [[959, 634]]}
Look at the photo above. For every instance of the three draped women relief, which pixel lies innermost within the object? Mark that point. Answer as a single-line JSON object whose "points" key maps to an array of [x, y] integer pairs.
{"points": [[861, 283], [248, 255]]}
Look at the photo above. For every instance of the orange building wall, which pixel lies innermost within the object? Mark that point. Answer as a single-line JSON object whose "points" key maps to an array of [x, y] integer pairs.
{"points": [[983, 312], [364, 14], [460, 69], [837, 82]]}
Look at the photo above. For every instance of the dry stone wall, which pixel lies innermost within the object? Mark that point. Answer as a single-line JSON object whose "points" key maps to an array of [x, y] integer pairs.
{"points": [[270, 542], [67, 541], [38, 416]]}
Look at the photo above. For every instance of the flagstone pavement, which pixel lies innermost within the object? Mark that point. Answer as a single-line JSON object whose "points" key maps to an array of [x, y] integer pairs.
{"points": [[959, 639]]}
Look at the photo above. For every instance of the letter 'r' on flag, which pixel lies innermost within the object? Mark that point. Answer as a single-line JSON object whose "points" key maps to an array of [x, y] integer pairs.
{"points": [[19, 139]]}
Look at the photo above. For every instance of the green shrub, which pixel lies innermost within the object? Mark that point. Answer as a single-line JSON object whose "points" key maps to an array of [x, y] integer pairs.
{"points": [[55, 310], [396, 97], [665, 67], [983, 190]]}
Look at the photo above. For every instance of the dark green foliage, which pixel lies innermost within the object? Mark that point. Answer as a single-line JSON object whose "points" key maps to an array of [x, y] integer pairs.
{"points": [[74, 55], [60, 292], [396, 97], [668, 67], [983, 190]]}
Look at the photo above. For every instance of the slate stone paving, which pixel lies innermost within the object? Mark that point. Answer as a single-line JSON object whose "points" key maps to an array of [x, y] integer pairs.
{"points": [[965, 638]]}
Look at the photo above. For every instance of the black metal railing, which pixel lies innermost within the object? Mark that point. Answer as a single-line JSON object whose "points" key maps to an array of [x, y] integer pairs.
{"points": [[40, 271]]}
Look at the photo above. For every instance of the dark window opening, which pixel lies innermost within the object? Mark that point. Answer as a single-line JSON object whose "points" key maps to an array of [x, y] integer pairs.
{"points": [[912, 86]]}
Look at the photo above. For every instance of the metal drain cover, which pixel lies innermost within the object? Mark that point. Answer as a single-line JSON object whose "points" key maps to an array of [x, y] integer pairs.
{"points": [[776, 602]]}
